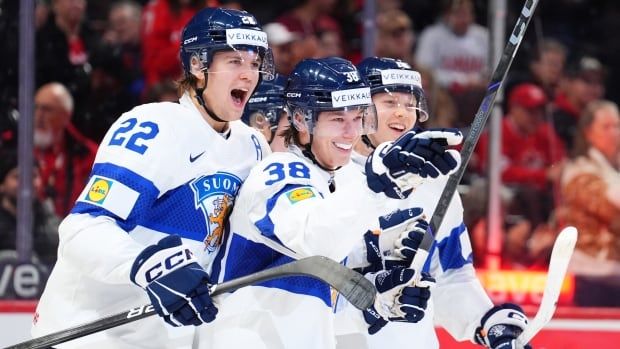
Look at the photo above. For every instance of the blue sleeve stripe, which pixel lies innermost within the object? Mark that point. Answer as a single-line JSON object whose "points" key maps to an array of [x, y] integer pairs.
{"points": [[246, 257], [146, 188], [265, 225], [451, 251]]}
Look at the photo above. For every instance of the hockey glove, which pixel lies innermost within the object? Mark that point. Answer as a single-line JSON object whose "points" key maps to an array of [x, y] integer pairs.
{"points": [[405, 229], [397, 168], [401, 233], [500, 327], [176, 284], [395, 301]]}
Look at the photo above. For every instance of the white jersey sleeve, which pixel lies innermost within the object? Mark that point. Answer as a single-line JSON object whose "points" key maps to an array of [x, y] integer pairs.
{"points": [[290, 207], [127, 173]]}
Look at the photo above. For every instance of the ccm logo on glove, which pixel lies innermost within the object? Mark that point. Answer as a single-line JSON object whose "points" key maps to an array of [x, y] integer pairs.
{"points": [[170, 263], [163, 262]]}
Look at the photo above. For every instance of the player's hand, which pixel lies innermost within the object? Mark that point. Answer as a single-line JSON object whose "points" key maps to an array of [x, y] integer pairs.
{"points": [[399, 167], [396, 242], [174, 281], [405, 229], [500, 327], [395, 301]]}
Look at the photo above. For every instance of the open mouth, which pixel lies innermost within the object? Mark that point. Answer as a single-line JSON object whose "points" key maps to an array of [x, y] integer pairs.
{"points": [[239, 96], [398, 127]]}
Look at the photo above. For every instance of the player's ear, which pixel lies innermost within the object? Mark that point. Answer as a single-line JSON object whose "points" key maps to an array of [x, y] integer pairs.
{"points": [[197, 69], [299, 122]]}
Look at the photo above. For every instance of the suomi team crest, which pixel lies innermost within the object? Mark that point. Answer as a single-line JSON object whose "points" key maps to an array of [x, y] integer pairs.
{"points": [[214, 195]]}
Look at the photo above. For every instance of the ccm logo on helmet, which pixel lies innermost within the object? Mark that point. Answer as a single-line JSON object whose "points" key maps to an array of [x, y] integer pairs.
{"points": [[169, 263], [190, 40]]}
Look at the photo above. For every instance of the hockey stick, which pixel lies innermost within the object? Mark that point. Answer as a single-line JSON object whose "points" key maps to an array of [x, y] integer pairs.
{"points": [[353, 286], [560, 257], [477, 126]]}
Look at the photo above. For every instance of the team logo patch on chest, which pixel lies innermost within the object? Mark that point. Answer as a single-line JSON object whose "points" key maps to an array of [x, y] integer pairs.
{"points": [[214, 195]]}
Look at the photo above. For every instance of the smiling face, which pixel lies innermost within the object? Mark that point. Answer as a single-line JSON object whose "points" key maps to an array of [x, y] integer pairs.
{"points": [[232, 76], [334, 135], [397, 114]]}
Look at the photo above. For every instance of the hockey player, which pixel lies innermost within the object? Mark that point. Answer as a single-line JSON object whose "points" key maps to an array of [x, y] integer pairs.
{"points": [[163, 183], [290, 207], [398, 96], [265, 111]]}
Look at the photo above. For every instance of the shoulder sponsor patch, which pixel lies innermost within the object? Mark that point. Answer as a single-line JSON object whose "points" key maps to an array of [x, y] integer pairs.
{"points": [[99, 190], [109, 194], [299, 194]]}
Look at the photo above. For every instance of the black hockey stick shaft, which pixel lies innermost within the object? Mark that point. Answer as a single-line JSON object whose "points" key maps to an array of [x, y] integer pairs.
{"points": [[497, 81], [353, 286]]}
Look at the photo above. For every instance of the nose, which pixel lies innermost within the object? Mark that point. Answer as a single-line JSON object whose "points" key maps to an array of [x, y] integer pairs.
{"points": [[351, 130]]}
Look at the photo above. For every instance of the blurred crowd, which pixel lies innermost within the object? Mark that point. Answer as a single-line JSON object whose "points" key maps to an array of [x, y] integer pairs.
{"points": [[560, 141]]}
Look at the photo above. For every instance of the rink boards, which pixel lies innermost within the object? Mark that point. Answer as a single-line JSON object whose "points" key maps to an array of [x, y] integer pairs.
{"points": [[572, 328]]}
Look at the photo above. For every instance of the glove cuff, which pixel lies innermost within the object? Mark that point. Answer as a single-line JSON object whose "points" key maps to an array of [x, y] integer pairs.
{"points": [[501, 322]]}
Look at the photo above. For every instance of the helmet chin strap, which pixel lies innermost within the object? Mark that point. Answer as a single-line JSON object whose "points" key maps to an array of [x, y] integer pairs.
{"points": [[368, 142], [202, 102], [307, 151]]}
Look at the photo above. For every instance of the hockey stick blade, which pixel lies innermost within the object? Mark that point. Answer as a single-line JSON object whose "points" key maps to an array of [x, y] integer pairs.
{"points": [[477, 126], [353, 286], [560, 257]]}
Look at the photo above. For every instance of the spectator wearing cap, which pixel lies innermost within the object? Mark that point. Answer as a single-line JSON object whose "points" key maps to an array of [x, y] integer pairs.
{"points": [[395, 36], [45, 234], [583, 82], [531, 153], [287, 47]]}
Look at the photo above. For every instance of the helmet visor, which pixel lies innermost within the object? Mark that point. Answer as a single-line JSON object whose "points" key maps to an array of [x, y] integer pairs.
{"points": [[353, 121], [410, 102]]}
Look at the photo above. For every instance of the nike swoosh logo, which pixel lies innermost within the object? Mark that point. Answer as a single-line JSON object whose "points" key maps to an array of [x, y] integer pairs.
{"points": [[194, 158]]}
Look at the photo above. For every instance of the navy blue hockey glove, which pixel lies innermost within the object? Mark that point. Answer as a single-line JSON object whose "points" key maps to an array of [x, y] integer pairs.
{"points": [[395, 301], [399, 167], [401, 232], [500, 327], [406, 228], [176, 284]]}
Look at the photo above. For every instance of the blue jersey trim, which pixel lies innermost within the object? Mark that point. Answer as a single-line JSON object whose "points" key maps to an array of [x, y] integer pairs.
{"points": [[247, 257], [148, 194], [451, 251], [265, 225]]}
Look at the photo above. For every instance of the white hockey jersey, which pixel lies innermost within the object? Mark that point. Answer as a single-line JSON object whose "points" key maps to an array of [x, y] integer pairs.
{"points": [[161, 169], [450, 263], [285, 211]]}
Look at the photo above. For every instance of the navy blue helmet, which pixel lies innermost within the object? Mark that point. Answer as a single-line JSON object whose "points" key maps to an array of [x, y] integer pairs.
{"points": [[328, 84], [219, 29], [387, 75], [266, 104]]}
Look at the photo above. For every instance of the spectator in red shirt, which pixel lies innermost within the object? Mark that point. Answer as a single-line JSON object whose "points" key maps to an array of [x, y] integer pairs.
{"points": [[64, 156], [162, 23], [532, 153]]}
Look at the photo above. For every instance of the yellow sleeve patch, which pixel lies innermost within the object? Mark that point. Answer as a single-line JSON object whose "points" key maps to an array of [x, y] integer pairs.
{"points": [[98, 190], [300, 194]]}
